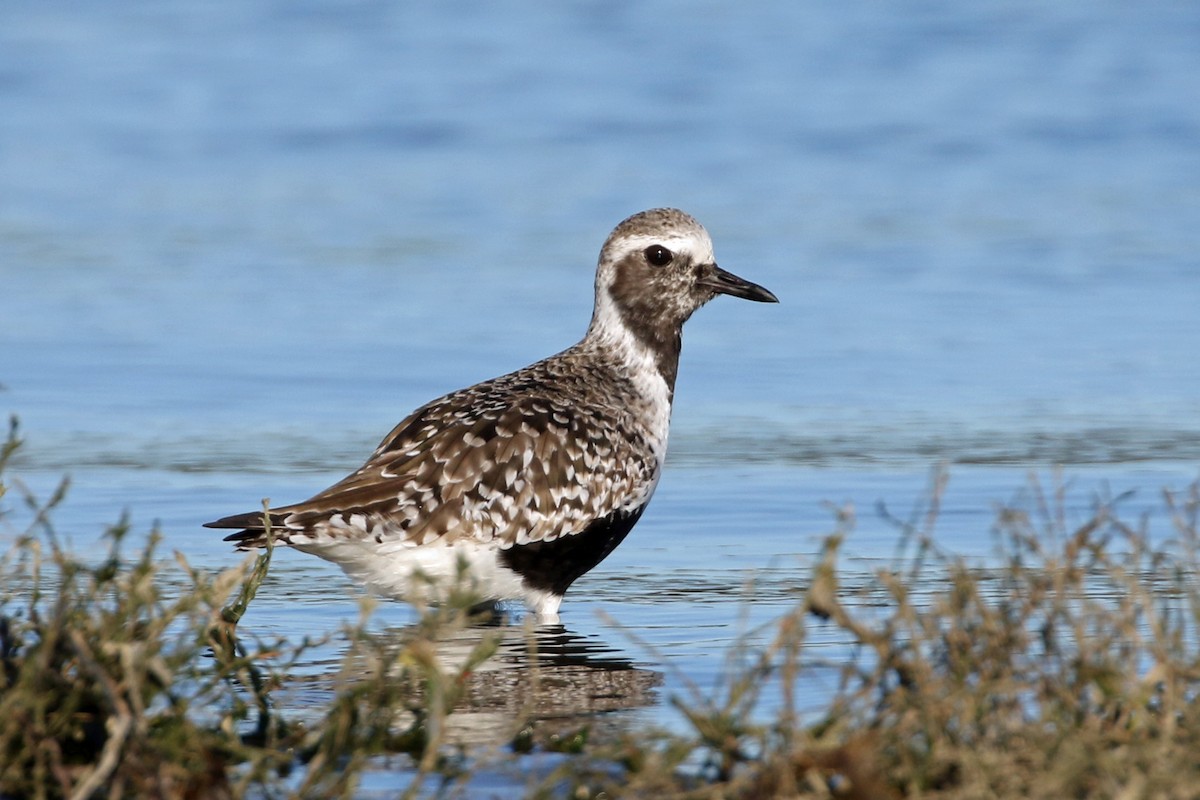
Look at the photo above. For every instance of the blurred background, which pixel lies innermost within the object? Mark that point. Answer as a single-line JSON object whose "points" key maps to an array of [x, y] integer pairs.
{"points": [[240, 240], [222, 223]]}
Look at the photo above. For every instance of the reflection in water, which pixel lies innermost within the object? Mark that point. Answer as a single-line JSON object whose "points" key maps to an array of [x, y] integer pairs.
{"points": [[547, 673], [542, 673]]}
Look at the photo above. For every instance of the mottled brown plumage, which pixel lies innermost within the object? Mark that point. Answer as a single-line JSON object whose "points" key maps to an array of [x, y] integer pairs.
{"points": [[533, 477]]}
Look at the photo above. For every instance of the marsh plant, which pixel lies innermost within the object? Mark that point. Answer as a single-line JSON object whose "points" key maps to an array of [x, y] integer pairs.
{"points": [[123, 679], [1065, 667]]}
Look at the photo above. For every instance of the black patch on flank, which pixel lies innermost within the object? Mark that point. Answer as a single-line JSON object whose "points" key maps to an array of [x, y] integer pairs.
{"points": [[554, 566]]}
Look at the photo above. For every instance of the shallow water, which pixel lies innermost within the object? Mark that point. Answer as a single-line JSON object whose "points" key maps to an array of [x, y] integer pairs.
{"points": [[239, 241]]}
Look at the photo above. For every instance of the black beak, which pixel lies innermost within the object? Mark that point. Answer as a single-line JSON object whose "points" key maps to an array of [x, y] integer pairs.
{"points": [[723, 282]]}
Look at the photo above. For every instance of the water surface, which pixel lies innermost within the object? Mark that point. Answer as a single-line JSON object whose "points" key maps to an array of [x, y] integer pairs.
{"points": [[239, 241]]}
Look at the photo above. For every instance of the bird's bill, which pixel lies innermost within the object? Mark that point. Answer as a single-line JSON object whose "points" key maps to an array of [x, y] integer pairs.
{"points": [[723, 282]]}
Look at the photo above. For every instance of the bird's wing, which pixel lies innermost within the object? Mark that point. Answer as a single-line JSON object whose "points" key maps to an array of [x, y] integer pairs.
{"points": [[511, 469]]}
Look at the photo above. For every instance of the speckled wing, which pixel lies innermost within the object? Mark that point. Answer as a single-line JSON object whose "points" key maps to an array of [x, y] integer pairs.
{"points": [[512, 461]]}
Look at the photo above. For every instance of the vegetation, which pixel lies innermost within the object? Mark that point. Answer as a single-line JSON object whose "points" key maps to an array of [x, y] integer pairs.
{"points": [[1069, 669]]}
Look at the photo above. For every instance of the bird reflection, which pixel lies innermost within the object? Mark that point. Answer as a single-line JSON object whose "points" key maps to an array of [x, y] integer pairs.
{"points": [[542, 673], [538, 674]]}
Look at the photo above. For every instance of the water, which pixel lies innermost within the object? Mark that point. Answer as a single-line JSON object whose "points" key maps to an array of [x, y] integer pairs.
{"points": [[239, 241]]}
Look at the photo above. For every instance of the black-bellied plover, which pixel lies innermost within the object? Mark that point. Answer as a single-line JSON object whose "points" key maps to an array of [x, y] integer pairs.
{"points": [[523, 483]]}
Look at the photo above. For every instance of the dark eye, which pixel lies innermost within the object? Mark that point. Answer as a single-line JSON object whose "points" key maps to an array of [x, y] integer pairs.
{"points": [[658, 255]]}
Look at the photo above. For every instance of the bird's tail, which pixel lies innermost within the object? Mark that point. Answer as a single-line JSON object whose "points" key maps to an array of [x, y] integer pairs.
{"points": [[254, 526]]}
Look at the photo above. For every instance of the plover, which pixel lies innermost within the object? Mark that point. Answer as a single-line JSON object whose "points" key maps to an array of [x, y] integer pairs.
{"points": [[525, 482]]}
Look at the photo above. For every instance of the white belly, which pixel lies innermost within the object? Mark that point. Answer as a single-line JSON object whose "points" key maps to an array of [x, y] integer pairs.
{"points": [[433, 574]]}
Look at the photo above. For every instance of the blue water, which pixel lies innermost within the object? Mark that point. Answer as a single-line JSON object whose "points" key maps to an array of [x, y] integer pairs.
{"points": [[239, 241]]}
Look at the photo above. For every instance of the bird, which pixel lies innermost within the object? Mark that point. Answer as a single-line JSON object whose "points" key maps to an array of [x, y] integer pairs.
{"points": [[523, 483]]}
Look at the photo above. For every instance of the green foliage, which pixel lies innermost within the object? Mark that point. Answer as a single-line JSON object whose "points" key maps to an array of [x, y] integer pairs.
{"points": [[106, 688], [1070, 670], [118, 680]]}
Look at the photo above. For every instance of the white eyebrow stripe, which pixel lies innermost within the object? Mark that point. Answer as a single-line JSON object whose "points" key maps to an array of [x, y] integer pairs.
{"points": [[699, 247]]}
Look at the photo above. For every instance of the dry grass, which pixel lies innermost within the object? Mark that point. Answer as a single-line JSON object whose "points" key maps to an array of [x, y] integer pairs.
{"points": [[1069, 669]]}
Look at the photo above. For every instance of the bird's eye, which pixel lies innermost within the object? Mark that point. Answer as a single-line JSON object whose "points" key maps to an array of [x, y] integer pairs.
{"points": [[658, 256]]}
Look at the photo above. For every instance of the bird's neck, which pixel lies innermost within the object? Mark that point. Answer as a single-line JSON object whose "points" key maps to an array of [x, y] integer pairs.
{"points": [[637, 345]]}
